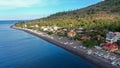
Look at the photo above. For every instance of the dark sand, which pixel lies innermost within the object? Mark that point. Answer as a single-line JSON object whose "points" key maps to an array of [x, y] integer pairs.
{"points": [[93, 59]]}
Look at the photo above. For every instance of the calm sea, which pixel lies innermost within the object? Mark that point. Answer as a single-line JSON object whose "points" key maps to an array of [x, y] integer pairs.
{"points": [[19, 49]]}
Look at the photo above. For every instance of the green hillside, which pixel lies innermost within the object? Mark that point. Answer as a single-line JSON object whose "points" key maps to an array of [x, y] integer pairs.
{"points": [[104, 15]]}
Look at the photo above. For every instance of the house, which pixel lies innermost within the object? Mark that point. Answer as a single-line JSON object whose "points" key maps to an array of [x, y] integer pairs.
{"points": [[44, 28], [55, 28], [65, 29], [79, 31], [80, 28], [36, 26], [111, 47], [85, 37], [92, 31], [24, 25], [112, 37], [71, 33], [50, 29]]}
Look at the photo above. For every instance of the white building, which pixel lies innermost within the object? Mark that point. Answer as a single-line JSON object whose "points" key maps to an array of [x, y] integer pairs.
{"points": [[44, 28], [55, 28], [24, 25], [36, 26], [112, 37]]}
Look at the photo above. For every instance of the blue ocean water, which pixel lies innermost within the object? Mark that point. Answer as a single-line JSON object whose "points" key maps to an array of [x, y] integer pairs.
{"points": [[19, 49]]}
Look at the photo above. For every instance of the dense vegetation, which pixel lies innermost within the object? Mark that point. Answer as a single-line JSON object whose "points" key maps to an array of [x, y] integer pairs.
{"points": [[102, 17]]}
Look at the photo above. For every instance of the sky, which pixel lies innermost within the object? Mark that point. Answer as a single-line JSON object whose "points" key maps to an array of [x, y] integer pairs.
{"points": [[35, 9]]}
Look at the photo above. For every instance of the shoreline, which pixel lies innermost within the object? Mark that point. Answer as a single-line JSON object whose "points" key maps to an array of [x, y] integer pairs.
{"points": [[80, 53]]}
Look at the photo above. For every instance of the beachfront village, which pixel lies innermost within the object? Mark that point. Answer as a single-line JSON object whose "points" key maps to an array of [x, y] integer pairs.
{"points": [[104, 46]]}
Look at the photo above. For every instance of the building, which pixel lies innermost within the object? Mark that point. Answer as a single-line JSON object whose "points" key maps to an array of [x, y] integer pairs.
{"points": [[85, 37], [50, 29], [79, 30], [36, 26], [44, 28], [71, 33], [55, 28], [65, 30], [112, 37], [24, 25], [111, 47]]}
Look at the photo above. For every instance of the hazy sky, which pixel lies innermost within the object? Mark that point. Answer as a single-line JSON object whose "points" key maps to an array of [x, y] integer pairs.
{"points": [[32, 9]]}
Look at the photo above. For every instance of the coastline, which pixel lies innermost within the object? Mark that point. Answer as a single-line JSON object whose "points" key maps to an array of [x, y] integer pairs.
{"points": [[79, 52]]}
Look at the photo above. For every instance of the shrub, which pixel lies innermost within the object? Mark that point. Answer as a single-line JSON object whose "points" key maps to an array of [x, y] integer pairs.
{"points": [[90, 43]]}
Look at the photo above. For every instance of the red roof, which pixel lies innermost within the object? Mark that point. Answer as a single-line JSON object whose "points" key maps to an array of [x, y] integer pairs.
{"points": [[72, 32], [85, 37], [111, 47]]}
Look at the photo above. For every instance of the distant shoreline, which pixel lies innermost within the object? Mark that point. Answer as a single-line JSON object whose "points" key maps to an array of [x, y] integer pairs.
{"points": [[80, 53]]}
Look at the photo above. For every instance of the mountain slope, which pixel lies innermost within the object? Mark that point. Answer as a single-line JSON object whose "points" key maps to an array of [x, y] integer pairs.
{"points": [[106, 8], [103, 15]]}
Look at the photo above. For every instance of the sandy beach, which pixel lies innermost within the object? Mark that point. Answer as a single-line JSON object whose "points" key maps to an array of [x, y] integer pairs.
{"points": [[75, 47]]}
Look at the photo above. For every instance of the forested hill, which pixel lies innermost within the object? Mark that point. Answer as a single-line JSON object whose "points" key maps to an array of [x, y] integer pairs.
{"points": [[103, 9], [104, 13]]}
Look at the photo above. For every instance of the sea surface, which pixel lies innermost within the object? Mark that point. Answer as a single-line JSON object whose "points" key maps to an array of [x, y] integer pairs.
{"points": [[19, 49]]}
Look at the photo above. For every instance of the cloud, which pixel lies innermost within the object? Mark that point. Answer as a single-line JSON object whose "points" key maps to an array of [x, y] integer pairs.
{"points": [[11, 4], [102, 0], [17, 3]]}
